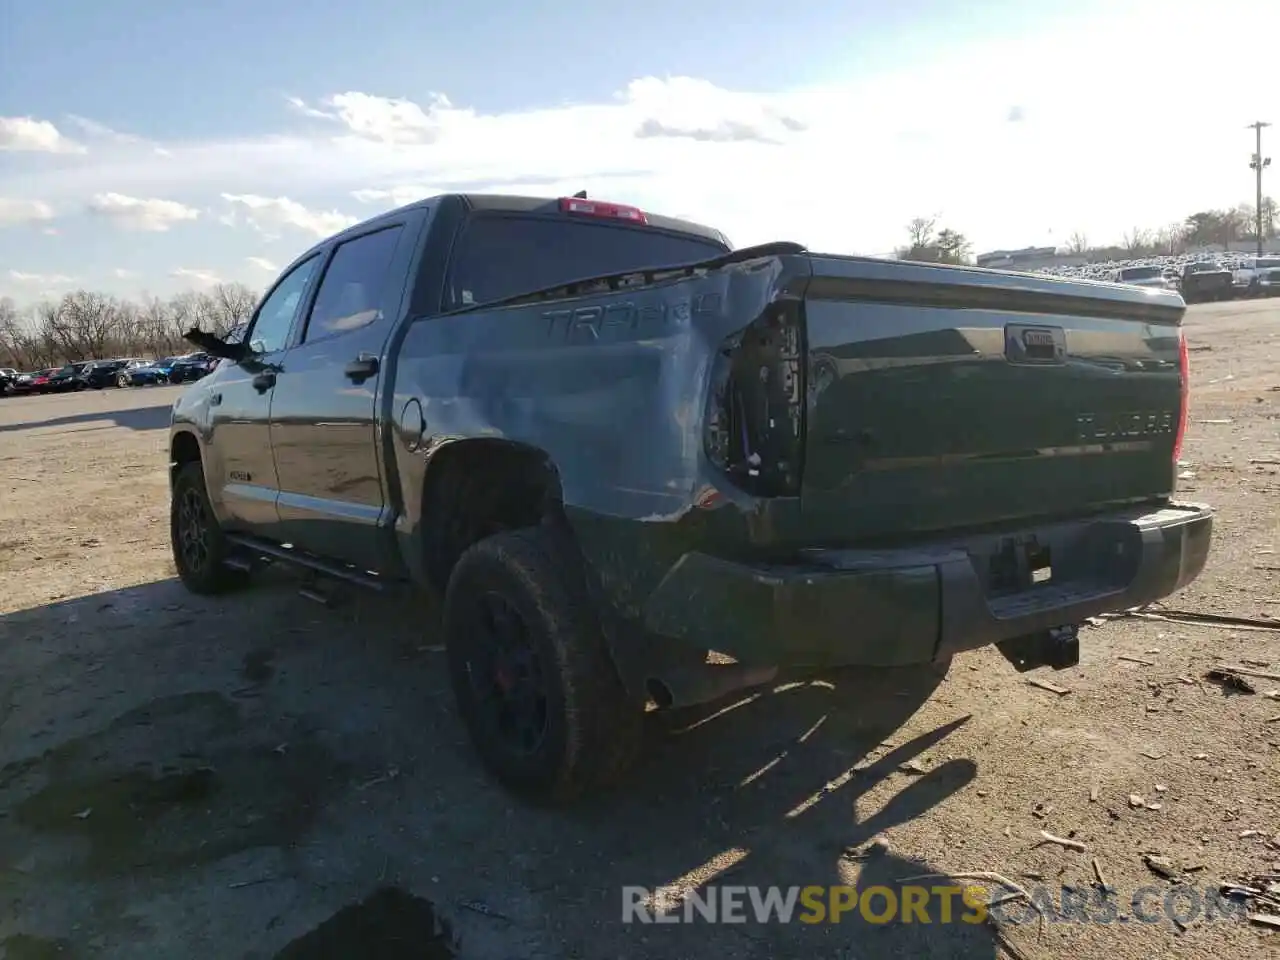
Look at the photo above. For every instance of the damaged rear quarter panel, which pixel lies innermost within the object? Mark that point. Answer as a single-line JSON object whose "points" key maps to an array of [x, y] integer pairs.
{"points": [[610, 387]]}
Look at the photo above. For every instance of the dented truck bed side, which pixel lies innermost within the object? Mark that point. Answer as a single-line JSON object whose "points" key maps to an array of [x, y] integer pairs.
{"points": [[888, 543]]}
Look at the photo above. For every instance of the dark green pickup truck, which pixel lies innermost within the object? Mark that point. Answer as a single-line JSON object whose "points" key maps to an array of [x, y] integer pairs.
{"points": [[616, 446]]}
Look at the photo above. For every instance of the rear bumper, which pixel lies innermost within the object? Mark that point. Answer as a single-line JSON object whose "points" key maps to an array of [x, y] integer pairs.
{"points": [[916, 604]]}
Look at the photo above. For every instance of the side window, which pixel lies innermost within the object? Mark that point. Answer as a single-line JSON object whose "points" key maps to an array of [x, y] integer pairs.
{"points": [[351, 290], [270, 329]]}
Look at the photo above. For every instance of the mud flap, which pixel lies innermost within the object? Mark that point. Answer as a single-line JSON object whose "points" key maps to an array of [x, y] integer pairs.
{"points": [[1058, 647]]}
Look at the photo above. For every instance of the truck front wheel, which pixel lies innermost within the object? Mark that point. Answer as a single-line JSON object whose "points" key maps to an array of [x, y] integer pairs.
{"points": [[533, 680], [200, 550]]}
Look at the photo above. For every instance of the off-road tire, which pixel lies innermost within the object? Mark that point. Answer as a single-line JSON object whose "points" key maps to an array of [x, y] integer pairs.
{"points": [[202, 572], [592, 728]]}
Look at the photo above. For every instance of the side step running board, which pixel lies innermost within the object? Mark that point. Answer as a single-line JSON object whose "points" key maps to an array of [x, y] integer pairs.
{"points": [[305, 561]]}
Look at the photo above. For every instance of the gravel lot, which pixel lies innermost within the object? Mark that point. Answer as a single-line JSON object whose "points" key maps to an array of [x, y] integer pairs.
{"points": [[241, 777]]}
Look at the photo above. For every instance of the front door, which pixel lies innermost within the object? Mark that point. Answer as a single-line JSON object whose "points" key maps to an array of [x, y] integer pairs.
{"points": [[324, 410], [241, 473]]}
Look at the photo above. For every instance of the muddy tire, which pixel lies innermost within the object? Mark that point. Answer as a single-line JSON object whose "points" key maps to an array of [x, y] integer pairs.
{"points": [[532, 678], [200, 549]]}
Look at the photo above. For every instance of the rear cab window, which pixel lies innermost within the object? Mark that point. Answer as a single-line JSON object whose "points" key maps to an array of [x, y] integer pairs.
{"points": [[504, 254]]}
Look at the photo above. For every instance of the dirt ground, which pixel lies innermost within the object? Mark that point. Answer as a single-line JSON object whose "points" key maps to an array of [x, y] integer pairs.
{"points": [[259, 776]]}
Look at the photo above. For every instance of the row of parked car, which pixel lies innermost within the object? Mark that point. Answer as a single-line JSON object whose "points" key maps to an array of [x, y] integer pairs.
{"points": [[1197, 277], [100, 374]]}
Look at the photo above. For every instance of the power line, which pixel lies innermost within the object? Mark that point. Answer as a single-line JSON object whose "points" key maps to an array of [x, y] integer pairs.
{"points": [[1257, 164]]}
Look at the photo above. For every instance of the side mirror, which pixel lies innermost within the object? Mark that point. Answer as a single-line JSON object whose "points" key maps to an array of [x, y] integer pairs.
{"points": [[216, 346]]}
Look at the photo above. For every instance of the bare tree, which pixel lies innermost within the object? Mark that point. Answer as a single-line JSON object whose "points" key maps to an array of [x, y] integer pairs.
{"points": [[154, 330], [10, 334], [953, 246], [50, 335], [90, 325], [1231, 227], [928, 244], [1136, 241], [1078, 244], [920, 231], [234, 304], [1171, 239], [1247, 216]]}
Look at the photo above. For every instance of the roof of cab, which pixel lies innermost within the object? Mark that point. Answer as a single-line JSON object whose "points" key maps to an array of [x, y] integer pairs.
{"points": [[511, 204], [514, 204]]}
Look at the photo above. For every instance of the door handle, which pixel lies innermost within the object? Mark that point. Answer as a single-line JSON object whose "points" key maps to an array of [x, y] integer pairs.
{"points": [[361, 368], [264, 381]]}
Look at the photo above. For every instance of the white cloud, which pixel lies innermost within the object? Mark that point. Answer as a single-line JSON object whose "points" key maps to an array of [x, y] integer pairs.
{"points": [[14, 210], [684, 107], [27, 134], [134, 213], [262, 263], [269, 214], [94, 129], [41, 279], [388, 120], [120, 273], [100, 131], [196, 276], [1013, 141], [398, 195]]}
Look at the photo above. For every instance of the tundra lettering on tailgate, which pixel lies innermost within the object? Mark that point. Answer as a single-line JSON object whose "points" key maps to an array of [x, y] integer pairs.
{"points": [[1124, 425]]}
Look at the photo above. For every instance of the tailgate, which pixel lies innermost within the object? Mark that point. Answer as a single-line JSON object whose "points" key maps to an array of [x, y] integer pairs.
{"points": [[943, 397]]}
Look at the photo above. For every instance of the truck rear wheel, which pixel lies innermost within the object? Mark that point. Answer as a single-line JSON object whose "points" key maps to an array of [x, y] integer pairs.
{"points": [[200, 549], [532, 678]]}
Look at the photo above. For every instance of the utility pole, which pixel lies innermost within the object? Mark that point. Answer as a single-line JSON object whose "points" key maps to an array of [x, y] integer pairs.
{"points": [[1257, 165]]}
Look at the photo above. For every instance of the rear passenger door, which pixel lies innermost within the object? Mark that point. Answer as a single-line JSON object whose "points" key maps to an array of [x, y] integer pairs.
{"points": [[324, 409]]}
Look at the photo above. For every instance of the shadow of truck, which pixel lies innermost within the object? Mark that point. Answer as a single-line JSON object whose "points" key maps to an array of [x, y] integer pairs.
{"points": [[239, 771]]}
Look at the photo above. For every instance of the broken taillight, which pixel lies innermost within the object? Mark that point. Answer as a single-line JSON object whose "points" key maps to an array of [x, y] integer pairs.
{"points": [[597, 208], [754, 425], [1184, 376]]}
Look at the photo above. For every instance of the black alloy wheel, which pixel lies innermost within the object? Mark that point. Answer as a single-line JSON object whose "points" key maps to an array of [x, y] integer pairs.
{"points": [[507, 675], [193, 531], [200, 549]]}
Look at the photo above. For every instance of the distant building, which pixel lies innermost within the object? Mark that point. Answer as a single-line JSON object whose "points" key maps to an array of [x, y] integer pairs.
{"points": [[1028, 258]]}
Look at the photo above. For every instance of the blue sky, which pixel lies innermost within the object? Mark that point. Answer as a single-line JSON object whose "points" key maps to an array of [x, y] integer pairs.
{"points": [[151, 146]]}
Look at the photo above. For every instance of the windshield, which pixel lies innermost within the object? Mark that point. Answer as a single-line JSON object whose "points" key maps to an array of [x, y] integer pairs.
{"points": [[503, 256], [1140, 273], [1267, 263], [1204, 267]]}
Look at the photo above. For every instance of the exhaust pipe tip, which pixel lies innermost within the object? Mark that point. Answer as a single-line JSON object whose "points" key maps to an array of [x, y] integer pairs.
{"points": [[688, 688], [659, 693]]}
